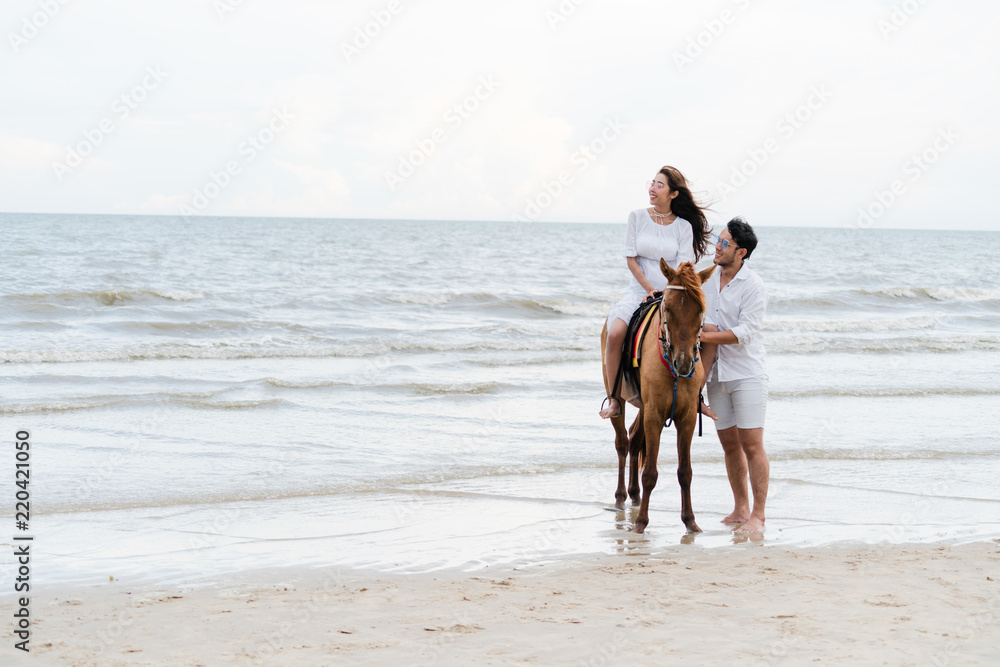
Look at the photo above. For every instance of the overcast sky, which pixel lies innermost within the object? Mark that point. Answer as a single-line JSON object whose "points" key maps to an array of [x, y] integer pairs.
{"points": [[880, 114]]}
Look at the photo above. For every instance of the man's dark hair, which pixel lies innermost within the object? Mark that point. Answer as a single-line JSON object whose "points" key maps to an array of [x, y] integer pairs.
{"points": [[743, 235]]}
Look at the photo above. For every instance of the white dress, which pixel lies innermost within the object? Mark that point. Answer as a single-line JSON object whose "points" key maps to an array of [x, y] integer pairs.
{"points": [[648, 242]]}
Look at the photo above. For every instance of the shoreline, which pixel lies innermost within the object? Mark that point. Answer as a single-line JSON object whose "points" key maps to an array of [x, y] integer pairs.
{"points": [[902, 604], [542, 518]]}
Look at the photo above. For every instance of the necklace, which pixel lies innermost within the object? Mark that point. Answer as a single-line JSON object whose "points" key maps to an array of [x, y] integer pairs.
{"points": [[662, 215]]}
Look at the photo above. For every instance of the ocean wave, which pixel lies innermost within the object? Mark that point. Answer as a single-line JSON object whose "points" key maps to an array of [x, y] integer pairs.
{"points": [[544, 359], [850, 325], [844, 454], [597, 306], [813, 344], [157, 399], [495, 302], [886, 392], [248, 350], [178, 295], [941, 293], [551, 329], [411, 298], [420, 388], [108, 297], [215, 399], [546, 350], [400, 483], [597, 310], [214, 327], [61, 406], [234, 405], [278, 383], [429, 389], [895, 294], [847, 454]]}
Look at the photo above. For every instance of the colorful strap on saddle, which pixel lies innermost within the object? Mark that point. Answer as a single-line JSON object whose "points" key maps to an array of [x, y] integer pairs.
{"points": [[636, 347]]}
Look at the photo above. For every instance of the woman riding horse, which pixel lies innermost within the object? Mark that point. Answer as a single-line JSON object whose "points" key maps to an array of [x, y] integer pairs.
{"points": [[673, 228]]}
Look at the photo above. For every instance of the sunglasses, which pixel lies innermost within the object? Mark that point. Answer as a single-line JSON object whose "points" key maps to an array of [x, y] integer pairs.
{"points": [[655, 184], [723, 243]]}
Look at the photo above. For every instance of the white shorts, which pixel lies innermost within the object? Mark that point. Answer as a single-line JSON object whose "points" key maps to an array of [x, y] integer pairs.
{"points": [[739, 403]]}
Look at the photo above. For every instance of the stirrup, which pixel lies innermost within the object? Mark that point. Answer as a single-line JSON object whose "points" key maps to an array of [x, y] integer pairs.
{"points": [[617, 414]]}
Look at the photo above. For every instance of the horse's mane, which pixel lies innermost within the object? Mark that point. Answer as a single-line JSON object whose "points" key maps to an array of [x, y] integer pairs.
{"points": [[691, 283]]}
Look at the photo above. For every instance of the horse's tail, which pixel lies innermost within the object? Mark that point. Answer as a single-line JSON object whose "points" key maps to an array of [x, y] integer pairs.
{"points": [[640, 433]]}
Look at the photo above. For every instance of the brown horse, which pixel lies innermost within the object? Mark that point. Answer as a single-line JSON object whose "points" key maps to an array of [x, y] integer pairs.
{"points": [[663, 392]]}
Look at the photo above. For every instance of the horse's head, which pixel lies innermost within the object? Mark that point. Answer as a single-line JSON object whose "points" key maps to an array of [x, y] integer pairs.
{"points": [[681, 313]]}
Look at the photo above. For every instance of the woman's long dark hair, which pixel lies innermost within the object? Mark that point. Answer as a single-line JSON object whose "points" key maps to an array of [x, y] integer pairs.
{"points": [[685, 206]]}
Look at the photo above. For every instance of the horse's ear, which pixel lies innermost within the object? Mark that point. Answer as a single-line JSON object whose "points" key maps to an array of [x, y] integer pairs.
{"points": [[707, 273], [667, 271]]}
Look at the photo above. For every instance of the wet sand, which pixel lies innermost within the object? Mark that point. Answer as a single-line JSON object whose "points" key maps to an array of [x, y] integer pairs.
{"points": [[911, 604]]}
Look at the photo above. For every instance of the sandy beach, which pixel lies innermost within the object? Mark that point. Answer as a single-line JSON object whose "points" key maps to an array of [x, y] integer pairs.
{"points": [[926, 604]]}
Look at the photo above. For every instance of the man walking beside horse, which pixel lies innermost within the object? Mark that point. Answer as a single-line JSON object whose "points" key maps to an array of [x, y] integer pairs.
{"points": [[735, 300]]}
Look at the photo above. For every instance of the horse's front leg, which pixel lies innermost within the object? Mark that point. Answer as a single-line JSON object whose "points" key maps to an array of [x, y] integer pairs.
{"points": [[685, 433], [622, 447], [652, 425], [637, 444]]}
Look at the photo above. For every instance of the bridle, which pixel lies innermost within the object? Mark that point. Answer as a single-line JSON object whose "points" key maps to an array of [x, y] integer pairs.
{"points": [[666, 347]]}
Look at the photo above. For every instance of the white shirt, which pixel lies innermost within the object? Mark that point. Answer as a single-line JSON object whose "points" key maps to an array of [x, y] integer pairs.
{"points": [[739, 308], [648, 242]]}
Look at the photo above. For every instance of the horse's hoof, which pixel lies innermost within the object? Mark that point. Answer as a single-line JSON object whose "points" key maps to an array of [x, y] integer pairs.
{"points": [[693, 528], [639, 530]]}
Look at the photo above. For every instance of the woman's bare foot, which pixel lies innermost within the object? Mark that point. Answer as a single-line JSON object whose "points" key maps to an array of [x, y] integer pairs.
{"points": [[612, 410], [754, 525]]}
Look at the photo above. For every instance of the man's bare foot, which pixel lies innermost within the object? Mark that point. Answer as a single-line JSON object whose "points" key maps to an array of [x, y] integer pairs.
{"points": [[707, 411], [737, 517], [612, 409], [754, 525]]}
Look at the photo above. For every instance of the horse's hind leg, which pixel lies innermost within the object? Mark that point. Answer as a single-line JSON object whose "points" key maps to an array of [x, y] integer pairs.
{"points": [[621, 435], [637, 445]]}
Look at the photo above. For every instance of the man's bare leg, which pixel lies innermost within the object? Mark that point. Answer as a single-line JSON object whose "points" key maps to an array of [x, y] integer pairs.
{"points": [[736, 469], [612, 358], [707, 359], [752, 441]]}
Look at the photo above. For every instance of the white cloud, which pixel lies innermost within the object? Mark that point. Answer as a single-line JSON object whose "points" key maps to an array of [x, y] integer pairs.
{"points": [[21, 153]]}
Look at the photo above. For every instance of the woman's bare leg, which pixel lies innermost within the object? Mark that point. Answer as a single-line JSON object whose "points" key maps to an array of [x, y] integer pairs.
{"points": [[612, 358]]}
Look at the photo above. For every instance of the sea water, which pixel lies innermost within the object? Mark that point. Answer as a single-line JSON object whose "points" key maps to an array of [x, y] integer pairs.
{"points": [[214, 395]]}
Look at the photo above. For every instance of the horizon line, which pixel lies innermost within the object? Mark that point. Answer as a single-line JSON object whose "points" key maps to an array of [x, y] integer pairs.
{"points": [[434, 220]]}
